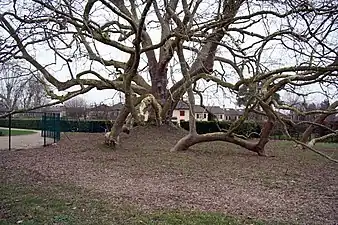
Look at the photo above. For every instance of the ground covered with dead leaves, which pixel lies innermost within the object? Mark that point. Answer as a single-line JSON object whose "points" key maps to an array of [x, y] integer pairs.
{"points": [[291, 186]]}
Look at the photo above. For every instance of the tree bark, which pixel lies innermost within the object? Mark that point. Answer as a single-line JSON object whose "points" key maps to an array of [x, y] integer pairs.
{"points": [[159, 83], [264, 137], [191, 139], [118, 126]]}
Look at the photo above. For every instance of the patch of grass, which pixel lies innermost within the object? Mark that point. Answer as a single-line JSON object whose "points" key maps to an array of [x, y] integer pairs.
{"points": [[328, 145], [36, 205], [22, 204], [5, 132]]}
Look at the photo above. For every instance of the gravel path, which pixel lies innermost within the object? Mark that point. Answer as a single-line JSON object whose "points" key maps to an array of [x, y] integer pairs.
{"points": [[23, 141]]}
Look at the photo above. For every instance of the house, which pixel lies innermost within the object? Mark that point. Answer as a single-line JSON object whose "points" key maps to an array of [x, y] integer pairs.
{"points": [[217, 111], [56, 109], [115, 110], [232, 114], [37, 113], [105, 112], [78, 113], [181, 112], [101, 111]]}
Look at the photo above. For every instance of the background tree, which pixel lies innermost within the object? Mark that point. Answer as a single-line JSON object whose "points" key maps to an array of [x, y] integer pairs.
{"points": [[267, 46], [76, 108], [19, 88]]}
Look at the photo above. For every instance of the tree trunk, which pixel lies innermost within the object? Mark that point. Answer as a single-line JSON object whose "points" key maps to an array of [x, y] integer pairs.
{"points": [[159, 85], [118, 126], [142, 105], [264, 137]]}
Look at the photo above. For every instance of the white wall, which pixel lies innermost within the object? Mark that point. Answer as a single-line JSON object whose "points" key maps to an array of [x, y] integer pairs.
{"points": [[201, 116], [176, 113]]}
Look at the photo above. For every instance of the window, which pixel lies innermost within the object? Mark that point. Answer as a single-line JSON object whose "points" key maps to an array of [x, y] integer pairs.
{"points": [[220, 117], [182, 113], [205, 116], [197, 116]]}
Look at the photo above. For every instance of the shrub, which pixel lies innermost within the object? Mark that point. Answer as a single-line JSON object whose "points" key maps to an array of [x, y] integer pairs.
{"points": [[203, 127], [90, 126]]}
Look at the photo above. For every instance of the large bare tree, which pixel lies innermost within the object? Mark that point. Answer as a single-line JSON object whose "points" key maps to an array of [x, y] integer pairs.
{"points": [[132, 46]]}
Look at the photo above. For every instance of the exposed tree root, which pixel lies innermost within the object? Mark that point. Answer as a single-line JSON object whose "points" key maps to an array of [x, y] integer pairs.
{"points": [[125, 121], [192, 139]]}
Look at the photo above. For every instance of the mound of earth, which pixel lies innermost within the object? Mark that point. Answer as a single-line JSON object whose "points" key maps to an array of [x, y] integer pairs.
{"points": [[162, 136]]}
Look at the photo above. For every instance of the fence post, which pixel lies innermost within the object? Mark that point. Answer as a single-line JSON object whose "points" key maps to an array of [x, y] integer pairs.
{"points": [[58, 126], [9, 132], [54, 127], [44, 129]]}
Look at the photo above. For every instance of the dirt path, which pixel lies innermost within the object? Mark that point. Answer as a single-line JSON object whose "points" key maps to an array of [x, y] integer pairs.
{"points": [[292, 187], [23, 141]]}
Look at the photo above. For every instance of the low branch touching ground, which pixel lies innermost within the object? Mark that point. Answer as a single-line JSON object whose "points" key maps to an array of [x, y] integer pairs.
{"points": [[315, 151]]}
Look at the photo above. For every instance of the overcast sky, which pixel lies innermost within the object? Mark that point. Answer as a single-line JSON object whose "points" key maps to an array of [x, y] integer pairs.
{"points": [[272, 57]]}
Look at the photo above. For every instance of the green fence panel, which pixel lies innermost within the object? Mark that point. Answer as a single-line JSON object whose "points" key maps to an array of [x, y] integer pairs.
{"points": [[50, 126]]}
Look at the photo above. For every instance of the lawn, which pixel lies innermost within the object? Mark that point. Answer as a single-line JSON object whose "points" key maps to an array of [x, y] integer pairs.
{"points": [[14, 132], [70, 205], [80, 181]]}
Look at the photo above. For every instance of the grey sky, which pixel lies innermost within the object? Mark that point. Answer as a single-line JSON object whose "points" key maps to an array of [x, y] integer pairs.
{"points": [[272, 57]]}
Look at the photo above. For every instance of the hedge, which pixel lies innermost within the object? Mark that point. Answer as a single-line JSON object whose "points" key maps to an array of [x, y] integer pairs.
{"points": [[24, 124], [91, 126], [203, 127], [94, 126]]}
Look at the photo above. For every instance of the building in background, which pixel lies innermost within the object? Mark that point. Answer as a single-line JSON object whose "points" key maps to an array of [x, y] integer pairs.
{"points": [[181, 113]]}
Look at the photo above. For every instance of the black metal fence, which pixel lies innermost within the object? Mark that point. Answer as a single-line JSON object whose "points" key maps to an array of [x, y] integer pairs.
{"points": [[19, 126], [50, 127]]}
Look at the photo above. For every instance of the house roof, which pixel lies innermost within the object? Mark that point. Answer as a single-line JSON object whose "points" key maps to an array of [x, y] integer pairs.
{"points": [[200, 109], [104, 107], [75, 109], [182, 105], [233, 112], [215, 109], [117, 106], [185, 106], [101, 107], [54, 109]]}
